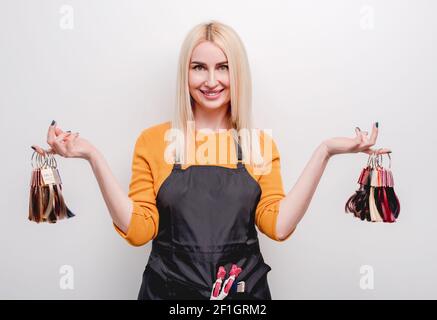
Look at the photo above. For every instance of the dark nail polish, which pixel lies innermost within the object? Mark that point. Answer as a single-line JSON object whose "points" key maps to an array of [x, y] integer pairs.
{"points": [[68, 131], [53, 122], [376, 124], [33, 148], [358, 128]]}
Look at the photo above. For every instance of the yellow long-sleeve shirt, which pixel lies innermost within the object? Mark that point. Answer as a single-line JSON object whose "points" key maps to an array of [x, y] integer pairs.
{"points": [[149, 170]]}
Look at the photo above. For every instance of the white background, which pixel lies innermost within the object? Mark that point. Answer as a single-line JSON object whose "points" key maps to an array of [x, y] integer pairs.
{"points": [[319, 69]]}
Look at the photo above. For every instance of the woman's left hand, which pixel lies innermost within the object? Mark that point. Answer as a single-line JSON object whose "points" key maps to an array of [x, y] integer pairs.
{"points": [[361, 143]]}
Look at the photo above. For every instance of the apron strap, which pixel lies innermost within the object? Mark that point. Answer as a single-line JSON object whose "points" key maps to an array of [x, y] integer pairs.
{"points": [[239, 154], [177, 162]]}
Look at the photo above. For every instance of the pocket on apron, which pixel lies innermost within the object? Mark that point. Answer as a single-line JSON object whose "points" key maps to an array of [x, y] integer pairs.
{"points": [[186, 291], [256, 285], [153, 286]]}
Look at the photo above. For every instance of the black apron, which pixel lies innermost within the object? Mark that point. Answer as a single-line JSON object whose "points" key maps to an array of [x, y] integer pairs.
{"points": [[206, 220]]}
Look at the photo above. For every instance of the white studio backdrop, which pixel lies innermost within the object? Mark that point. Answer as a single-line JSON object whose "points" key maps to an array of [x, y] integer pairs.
{"points": [[108, 68]]}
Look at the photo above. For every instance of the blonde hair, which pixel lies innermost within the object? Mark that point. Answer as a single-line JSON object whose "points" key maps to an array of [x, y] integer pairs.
{"points": [[240, 115]]}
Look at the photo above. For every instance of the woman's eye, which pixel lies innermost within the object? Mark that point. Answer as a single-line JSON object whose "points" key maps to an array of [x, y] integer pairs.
{"points": [[199, 67]]}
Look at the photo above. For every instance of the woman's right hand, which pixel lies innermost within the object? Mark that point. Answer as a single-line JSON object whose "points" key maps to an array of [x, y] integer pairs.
{"points": [[66, 144]]}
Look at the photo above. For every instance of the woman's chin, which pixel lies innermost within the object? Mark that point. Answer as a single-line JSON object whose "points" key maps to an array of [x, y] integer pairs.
{"points": [[212, 105]]}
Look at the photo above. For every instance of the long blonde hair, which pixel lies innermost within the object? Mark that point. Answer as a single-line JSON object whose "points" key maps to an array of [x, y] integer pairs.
{"points": [[240, 86]]}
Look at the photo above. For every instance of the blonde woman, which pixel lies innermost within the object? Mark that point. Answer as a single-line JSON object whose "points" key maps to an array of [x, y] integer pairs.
{"points": [[201, 213]]}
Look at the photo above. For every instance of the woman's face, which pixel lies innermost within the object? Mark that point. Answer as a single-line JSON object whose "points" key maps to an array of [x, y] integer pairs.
{"points": [[208, 77]]}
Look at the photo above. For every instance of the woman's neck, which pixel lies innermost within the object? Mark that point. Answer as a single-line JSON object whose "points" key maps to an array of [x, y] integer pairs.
{"points": [[212, 119]]}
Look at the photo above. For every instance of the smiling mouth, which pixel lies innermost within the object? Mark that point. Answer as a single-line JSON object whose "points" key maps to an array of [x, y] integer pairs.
{"points": [[211, 93]]}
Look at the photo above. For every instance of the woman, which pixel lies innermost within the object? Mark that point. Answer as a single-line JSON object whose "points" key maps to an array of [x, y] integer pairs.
{"points": [[202, 214]]}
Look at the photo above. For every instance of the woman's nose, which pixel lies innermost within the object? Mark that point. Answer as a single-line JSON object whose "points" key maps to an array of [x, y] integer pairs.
{"points": [[212, 79]]}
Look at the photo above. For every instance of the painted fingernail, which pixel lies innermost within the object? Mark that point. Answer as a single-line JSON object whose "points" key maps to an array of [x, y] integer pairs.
{"points": [[376, 124], [53, 122], [33, 148], [69, 131], [358, 128]]}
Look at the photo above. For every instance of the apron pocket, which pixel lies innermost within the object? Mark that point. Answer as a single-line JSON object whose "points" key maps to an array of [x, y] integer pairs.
{"points": [[256, 284], [153, 286], [186, 291]]}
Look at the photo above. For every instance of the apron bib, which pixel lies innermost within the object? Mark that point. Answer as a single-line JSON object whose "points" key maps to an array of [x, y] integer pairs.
{"points": [[206, 220]]}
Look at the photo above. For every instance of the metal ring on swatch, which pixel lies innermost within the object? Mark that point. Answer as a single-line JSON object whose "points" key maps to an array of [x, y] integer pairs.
{"points": [[389, 160], [49, 160], [378, 164], [380, 158], [33, 160], [45, 164], [36, 161], [369, 159], [42, 160], [374, 159], [52, 161], [45, 157], [56, 163]]}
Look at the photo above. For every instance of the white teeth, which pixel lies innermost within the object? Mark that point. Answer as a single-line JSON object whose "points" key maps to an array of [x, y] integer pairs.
{"points": [[212, 93]]}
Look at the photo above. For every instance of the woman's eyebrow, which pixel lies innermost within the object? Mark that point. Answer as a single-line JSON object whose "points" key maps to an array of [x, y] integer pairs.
{"points": [[204, 64]]}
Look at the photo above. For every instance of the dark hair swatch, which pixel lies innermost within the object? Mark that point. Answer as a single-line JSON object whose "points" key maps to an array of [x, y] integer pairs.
{"points": [[374, 179]]}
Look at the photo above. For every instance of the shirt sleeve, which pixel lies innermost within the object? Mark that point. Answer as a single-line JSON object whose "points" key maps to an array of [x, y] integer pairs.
{"points": [[272, 190], [143, 225]]}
